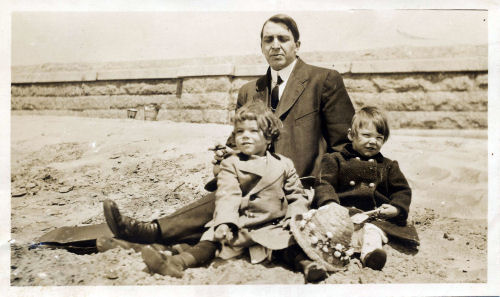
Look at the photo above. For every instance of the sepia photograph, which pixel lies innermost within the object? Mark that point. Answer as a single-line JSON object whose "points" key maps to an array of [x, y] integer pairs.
{"points": [[226, 150]]}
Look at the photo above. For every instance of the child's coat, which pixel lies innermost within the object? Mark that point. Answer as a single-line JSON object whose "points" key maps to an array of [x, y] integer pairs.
{"points": [[366, 183], [257, 196]]}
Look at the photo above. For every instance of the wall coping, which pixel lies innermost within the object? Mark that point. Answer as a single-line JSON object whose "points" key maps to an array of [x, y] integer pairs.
{"points": [[356, 67]]}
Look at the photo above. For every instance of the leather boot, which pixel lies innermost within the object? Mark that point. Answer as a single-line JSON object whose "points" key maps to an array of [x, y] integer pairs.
{"points": [[160, 263], [127, 228]]}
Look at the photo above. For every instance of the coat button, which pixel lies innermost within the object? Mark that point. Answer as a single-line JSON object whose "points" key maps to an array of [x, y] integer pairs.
{"points": [[371, 160], [352, 183], [250, 214], [371, 185], [358, 158]]}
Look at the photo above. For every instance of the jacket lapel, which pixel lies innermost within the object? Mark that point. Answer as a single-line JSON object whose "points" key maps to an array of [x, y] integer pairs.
{"points": [[273, 171], [294, 88]]}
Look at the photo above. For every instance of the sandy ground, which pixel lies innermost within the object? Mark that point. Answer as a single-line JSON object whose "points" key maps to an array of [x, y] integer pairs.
{"points": [[62, 168]]}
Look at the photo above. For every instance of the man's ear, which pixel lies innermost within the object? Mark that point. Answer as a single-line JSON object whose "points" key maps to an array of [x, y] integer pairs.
{"points": [[297, 46], [349, 134]]}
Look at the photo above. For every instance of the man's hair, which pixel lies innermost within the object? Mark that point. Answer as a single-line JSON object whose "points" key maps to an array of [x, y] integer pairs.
{"points": [[285, 20], [266, 119], [370, 115]]}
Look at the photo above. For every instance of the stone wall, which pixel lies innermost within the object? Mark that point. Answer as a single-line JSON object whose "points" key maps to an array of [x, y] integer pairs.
{"points": [[417, 93]]}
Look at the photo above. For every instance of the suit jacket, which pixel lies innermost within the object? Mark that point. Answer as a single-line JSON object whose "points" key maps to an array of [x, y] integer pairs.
{"points": [[365, 184], [315, 109], [258, 197]]}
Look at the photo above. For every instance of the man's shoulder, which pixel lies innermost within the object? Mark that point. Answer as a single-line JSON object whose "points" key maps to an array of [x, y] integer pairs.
{"points": [[250, 84]]}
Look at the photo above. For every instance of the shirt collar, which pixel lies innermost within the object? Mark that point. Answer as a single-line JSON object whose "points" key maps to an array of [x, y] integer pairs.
{"points": [[284, 73]]}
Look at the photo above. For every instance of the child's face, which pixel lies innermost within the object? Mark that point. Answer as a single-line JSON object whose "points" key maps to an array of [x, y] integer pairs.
{"points": [[367, 141], [250, 140]]}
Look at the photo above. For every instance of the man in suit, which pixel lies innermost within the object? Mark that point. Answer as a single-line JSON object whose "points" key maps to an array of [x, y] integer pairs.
{"points": [[313, 105]]}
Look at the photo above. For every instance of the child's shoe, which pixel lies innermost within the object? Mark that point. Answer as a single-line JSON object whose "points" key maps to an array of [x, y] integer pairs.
{"points": [[375, 259], [314, 273], [162, 264]]}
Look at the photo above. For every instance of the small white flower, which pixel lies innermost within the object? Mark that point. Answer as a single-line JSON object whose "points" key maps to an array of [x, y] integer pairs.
{"points": [[337, 254], [314, 240], [338, 247], [325, 249], [329, 234]]}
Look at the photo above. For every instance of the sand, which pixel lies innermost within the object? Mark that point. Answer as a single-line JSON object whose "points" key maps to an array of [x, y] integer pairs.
{"points": [[62, 168]]}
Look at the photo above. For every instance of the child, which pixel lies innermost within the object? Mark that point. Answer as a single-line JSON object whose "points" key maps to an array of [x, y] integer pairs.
{"points": [[358, 176], [257, 193]]}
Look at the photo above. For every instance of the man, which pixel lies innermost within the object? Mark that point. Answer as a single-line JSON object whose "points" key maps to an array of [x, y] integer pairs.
{"points": [[313, 105]]}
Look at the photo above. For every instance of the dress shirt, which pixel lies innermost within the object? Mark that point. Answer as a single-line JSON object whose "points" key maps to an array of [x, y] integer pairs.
{"points": [[284, 75]]}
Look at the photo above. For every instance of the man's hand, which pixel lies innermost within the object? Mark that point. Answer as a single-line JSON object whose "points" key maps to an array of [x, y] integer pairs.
{"points": [[223, 233], [388, 211], [220, 152]]}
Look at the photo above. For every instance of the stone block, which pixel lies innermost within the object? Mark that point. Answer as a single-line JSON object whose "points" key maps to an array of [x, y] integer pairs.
{"points": [[359, 85], [482, 81], [215, 100], [183, 115], [206, 84], [438, 120], [103, 88], [150, 87], [422, 101], [233, 98], [238, 82], [49, 89], [420, 65], [396, 83], [219, 116], [459, 83]]}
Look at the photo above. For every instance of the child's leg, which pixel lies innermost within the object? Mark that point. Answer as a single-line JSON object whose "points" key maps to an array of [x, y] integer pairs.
{"points": [[372, 254], [295, 257], [175, 265]]}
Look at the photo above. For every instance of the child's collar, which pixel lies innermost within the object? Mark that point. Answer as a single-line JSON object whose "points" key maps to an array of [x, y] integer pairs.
{"points": [[349, 151]]}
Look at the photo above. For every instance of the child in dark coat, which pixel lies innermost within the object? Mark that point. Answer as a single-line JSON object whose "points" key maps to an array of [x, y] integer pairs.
{"points": [[257, 194], [360, 178]]}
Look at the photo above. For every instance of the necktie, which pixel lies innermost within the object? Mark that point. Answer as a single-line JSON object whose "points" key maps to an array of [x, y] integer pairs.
{"points": [[275, 94]]}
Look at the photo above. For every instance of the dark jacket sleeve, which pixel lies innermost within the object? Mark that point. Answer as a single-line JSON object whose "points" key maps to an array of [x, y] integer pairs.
{"points": [[324, 189], [337, 110], [399, 191]]}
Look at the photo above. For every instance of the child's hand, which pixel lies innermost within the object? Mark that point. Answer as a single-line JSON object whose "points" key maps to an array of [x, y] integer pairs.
{"points": [[286, 224], [388, 211], [223, 233], [220, 152]]}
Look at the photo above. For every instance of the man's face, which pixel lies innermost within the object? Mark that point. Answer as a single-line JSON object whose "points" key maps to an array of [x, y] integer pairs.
{"points": [[278, 45]]}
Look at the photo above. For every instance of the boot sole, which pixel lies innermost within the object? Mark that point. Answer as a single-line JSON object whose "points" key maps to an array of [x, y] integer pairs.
{"points": [[108, 206]]}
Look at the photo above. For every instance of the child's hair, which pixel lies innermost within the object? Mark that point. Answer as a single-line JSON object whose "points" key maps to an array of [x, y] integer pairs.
{"points": [[266, 120], [373, 115]]}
